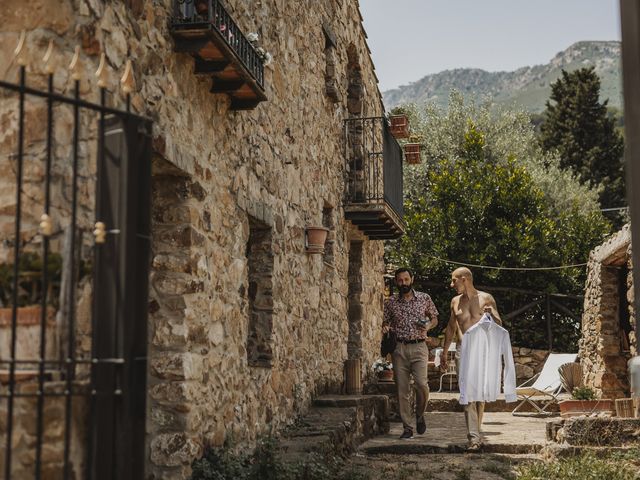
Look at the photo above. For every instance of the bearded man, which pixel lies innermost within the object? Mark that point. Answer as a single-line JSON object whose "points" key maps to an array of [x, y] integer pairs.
{"points": [[410, 315]]}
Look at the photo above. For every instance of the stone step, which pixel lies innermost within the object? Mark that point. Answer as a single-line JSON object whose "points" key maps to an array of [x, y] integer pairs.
{"points": [[409, 448], [337, 424], [595, 431]]}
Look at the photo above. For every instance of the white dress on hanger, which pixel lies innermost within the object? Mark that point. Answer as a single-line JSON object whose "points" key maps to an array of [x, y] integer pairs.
{"points": [[484, 346]]}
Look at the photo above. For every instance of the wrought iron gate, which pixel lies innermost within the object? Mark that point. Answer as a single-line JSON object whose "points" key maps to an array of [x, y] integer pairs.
{"points": [[73, 357]]}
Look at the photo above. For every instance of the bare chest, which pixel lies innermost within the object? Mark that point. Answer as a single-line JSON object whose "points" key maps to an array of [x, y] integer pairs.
{"points": [[467, 313]]}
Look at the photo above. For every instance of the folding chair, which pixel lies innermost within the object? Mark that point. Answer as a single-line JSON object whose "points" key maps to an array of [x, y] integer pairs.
{"points": [[451, 366], [547, 384]]}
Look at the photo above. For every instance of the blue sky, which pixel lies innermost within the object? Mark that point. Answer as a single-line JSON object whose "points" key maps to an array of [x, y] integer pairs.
{"points": [[413, 38]]}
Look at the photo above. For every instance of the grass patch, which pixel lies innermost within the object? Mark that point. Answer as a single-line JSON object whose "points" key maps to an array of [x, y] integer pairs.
{"points": [[585, 466], [464, 474], [503, 470], [266, 463]]}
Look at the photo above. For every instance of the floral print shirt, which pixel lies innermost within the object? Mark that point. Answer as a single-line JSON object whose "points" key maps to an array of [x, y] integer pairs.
{"points": [[401, 315]]}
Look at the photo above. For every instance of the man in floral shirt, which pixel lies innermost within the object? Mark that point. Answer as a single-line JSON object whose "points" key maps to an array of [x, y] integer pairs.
{"points": [[410, 315]]}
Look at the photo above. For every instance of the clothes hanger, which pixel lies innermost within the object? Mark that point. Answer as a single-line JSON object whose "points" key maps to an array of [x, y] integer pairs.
{"points": [[486, 318]]}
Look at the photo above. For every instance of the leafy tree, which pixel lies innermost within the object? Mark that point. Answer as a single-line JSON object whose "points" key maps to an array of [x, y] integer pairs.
{"points": [[489, 195], [580, 128]]}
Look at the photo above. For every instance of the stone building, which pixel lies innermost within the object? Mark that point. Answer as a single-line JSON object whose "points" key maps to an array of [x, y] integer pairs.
{"points": [[246, 324], [608, 336]]}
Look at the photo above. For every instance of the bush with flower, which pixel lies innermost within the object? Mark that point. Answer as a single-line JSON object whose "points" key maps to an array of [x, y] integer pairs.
{"points": [[266, 57], [381, 365]]}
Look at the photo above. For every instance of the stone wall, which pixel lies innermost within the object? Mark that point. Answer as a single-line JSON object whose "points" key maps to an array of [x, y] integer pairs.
{"points": [[25, 429], [217, 173], [603, 359]]}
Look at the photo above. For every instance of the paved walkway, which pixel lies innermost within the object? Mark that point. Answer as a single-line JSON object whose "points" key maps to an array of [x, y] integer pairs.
{"points": [[446, 433]]}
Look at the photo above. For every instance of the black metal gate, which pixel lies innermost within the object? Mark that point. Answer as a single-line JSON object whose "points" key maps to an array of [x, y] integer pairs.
{"points": [[73, 285]]}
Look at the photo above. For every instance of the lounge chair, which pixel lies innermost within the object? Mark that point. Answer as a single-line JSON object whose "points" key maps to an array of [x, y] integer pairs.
{"points": [[547, 384]]}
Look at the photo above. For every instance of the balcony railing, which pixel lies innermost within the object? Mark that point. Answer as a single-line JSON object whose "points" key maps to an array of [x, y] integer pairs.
{"points": [[374, 189], [205, 29]]}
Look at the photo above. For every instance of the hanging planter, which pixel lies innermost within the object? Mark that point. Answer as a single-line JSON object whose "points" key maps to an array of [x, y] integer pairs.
{"points": [[399, 125], [315, 238], [412, 153]]}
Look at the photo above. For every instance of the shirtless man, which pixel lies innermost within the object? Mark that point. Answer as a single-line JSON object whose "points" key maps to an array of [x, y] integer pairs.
{"points": [[466, 310]]}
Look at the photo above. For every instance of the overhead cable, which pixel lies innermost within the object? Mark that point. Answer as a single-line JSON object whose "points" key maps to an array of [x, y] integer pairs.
{"points": [[493, 267]]}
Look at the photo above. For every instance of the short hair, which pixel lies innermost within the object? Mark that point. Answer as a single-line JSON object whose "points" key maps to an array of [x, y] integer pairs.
{"points": [[403, 269]]}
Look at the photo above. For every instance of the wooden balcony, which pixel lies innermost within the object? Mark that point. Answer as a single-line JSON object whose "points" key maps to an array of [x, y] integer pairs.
{"points": [[374, 199], [204, 29]]}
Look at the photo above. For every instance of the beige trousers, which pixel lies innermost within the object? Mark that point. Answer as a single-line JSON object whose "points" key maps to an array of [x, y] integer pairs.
{"points": [[473, 416], [411, 359]]}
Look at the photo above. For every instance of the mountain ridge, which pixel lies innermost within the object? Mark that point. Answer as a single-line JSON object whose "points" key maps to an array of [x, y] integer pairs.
{"points": [[528, 86]]}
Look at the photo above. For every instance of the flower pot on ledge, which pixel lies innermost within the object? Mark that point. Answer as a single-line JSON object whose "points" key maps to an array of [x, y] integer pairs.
{"points": [[315, 238], [412, 153], [385, 376], [574, 408], [399, 125]]}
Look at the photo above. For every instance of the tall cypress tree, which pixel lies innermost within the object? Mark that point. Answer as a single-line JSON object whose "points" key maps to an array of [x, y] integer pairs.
{"points": [[576, 125]]}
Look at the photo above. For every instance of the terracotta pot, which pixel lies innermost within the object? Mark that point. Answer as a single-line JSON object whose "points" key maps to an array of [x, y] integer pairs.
{"points": [[316, 237], [412, 153], [29, 315], [574, 408], [399, 126], [202, 6], [385, 376]]}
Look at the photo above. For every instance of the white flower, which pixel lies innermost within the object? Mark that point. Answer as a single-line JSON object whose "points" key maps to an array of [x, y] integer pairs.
{"points": [[381, 365], [268, 58], [253, 37]]}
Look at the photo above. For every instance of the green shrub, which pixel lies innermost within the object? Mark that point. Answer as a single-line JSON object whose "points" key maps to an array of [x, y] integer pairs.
{"points": [[583, 393]]}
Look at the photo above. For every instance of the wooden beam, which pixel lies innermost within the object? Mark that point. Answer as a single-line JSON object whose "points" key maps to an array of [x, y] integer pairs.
{"points": [[210, 66], [225, 86], [565, 310], [517, 312], [244, 104], [189, 45]]}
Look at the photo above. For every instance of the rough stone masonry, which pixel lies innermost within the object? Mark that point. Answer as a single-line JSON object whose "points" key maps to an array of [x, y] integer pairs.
{"points": [[232, 194]]}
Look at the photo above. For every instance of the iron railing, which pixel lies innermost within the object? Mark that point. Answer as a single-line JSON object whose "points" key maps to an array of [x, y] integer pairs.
{"points": [[191, 14], [100, 389], [374, 163]]}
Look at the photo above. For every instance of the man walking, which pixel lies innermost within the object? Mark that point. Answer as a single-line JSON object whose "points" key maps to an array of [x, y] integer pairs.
{"points": [[466, 310], [410, 315]]}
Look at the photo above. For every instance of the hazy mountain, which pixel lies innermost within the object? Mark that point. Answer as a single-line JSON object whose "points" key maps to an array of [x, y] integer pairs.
{"points": [[528, 87]]}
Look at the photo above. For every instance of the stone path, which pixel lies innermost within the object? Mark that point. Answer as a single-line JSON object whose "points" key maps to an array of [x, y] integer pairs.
{"points": [[446, 433], [440, 454]]}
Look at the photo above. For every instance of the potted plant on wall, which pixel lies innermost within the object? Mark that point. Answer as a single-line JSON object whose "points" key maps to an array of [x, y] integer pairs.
{"points": [[399, 123], [412, 150], [584, 402], [383, 369]]}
